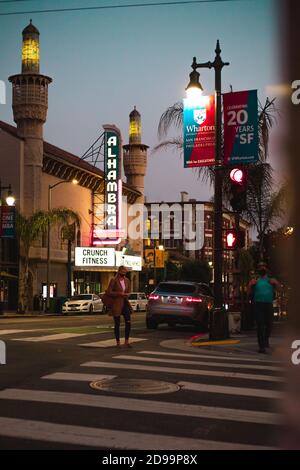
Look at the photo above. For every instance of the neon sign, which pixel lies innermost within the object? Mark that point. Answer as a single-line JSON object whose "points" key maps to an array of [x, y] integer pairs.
{"points": [[110, 233]]}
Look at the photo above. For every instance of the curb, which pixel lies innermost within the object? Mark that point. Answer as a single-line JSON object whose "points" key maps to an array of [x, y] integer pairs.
{"points": [[44, 315], [216, 343]]}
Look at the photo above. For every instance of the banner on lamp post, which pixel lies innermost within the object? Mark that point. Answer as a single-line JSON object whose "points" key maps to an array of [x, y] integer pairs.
{"points": [[199, 132], [7, 222], [240, 127]]}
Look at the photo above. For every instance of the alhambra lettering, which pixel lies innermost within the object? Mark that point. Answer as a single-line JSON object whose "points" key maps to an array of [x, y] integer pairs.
{"points": [[111, 207]]}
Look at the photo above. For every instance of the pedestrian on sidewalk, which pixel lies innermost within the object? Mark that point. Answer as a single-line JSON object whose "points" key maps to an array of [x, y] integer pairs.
{"points": [[263, 291], [119, 290]]}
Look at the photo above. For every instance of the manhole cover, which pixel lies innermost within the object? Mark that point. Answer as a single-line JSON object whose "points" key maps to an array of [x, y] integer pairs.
{"points": [[134, 386]]}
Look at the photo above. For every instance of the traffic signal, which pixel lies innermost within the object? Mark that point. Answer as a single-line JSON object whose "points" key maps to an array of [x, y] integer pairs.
{"points": [[234, 239], [238, 189]]}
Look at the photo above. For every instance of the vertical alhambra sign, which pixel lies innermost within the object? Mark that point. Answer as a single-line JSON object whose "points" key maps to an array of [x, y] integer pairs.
{"points": [[110, 232]]}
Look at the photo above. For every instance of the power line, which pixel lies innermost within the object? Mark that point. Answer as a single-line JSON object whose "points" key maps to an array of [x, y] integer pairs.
{"points": [[106, 7], [14, 1]]}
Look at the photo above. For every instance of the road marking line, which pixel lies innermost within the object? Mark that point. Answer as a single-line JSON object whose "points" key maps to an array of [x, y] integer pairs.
{"points": [[199, 363], [175, 370], [109, 439], [37, 339], [12, 332], [207, 356], [78, 377], [139, 405], [240, 391], [109, 342]]}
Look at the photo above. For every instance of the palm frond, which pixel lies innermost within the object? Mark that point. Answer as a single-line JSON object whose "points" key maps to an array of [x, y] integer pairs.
{"points": [[173, 116], [171, 144], [64, 215]]}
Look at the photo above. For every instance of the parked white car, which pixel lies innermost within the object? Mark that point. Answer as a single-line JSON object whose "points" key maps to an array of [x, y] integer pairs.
{"points": [[138, 301], [85, 303]]}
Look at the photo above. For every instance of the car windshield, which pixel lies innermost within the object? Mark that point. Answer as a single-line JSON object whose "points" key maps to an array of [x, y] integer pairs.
{"points": [[177, 288], [82, 297], [132, 297]]}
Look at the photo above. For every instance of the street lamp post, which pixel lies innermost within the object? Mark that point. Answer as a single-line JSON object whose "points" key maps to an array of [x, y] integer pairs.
{"points": [[222, 330], [50, 187]]}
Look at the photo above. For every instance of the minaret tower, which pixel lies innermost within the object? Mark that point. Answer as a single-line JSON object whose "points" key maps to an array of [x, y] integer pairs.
{"points": [[135, 166], [135, 155], [30, 105]]}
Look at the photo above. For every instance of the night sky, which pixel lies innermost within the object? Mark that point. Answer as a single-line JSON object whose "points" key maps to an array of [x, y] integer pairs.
{"points": [[104, 62]]}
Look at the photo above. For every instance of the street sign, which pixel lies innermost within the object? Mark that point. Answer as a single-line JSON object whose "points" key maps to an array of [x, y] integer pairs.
{"points": [[7, 222], [240, 127], [199, 132], [131, 262]]}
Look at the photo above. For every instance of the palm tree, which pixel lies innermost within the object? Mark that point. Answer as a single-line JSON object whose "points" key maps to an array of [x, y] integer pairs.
{"points": [[29, 230]]}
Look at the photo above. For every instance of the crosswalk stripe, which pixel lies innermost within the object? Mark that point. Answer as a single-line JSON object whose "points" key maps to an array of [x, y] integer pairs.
{"points": [[197, 387], [138, 405], [109, 342], [109, 439], [199, 363], [37, 339], [77, 377], [207, 356], [240, 391], [12, 332], [174, 370]]}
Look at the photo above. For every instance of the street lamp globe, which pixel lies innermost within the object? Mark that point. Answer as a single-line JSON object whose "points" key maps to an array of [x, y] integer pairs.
{"points": [[194, 89], [10, 201]]}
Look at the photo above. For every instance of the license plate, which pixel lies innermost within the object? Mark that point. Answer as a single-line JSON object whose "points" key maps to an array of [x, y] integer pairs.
{"points": [[172, 300]]}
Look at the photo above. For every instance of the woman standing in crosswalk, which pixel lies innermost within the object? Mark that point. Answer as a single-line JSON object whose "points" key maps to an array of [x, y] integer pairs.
{"points": [[119, 290]]}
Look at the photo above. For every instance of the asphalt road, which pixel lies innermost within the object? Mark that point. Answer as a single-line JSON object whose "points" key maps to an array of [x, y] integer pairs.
{"points": [[153, 396]]}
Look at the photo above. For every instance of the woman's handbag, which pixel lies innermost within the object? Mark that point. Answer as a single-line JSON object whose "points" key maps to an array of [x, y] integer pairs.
{"points": [[107, 300]]}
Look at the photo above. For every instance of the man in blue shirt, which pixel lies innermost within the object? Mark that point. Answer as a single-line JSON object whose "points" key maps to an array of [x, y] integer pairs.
{"points": [[263, 290]]}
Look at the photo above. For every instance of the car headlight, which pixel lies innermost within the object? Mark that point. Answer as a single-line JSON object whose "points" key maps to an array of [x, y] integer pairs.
{"points": [[85, 304]]}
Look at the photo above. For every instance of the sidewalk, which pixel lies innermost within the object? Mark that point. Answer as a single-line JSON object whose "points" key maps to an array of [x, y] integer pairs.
{"points": [[245, 344]]}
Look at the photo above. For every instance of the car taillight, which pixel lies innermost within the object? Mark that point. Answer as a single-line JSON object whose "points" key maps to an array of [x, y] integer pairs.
{"points": [[153, 297], [191, 300]]}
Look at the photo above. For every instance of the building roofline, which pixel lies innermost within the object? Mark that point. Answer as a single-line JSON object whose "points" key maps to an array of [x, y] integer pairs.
{"points": [[64, 156], [12, 130]]}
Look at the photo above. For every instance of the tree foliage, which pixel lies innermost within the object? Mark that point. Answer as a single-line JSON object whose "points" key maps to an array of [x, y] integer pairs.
{"points": [[198, 271]]}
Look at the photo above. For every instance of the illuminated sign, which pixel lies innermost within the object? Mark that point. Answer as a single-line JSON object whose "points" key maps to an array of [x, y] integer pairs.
{"points": [[199, 131], [94, 257], [132, 262], [91, 257], [109, 232]]}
